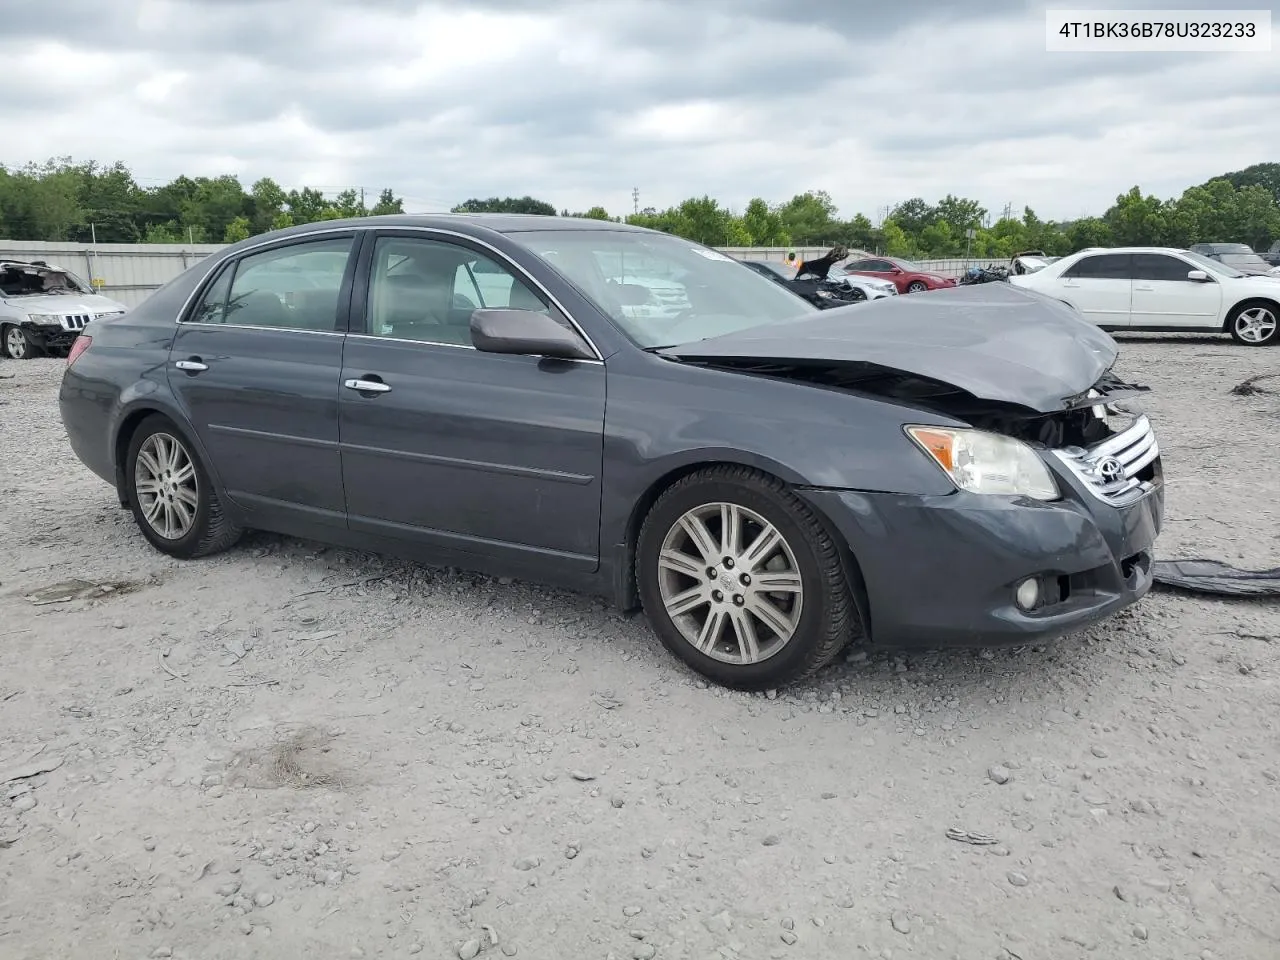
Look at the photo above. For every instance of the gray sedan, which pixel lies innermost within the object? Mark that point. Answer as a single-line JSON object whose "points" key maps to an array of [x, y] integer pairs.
{"points": [[769, 481]]}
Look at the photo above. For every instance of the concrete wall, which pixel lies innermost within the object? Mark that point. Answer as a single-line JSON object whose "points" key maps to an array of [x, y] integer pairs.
{"points": [[128, 272]]}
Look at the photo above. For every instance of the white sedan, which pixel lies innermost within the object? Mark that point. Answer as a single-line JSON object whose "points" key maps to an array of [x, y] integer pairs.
{"points": [[1161, 289]]}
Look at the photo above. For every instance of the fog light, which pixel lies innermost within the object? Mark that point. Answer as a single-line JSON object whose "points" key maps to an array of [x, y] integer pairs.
{"points": [[1028, 593]]}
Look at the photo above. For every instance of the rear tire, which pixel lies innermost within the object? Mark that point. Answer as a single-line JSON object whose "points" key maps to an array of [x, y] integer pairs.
{"points": [[172, 497], [718, 616], [1255, 323]]}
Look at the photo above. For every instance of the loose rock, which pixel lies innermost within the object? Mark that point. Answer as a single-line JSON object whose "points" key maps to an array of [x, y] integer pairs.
{"points": [[999, 775], [469, 950], [900, 921]]}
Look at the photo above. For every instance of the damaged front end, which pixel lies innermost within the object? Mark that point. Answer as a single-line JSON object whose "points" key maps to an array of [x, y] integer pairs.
{"points": [[997, 358]]}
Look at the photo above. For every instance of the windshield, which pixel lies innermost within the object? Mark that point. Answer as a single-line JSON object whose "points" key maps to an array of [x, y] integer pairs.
{"points": [[1213, 266], [661, 290], [31, 280]]}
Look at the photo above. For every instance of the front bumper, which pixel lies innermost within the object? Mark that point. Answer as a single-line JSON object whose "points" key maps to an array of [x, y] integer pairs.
{"points": [[942, 571], [49, 336]]}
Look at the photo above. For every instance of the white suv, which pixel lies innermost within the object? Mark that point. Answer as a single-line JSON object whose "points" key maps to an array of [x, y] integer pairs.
{"points": [[1162, 289], [43, 308]]}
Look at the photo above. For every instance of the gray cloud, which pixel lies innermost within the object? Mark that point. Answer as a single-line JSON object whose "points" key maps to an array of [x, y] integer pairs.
{"points": [[580, 101]]}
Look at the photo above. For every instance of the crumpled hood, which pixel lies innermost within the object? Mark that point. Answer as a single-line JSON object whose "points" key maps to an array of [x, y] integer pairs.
{"points": [[64, 303], [997, 342]]}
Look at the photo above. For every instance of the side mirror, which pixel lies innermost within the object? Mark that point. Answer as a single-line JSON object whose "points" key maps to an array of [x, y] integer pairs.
{"points": [[1198, 275], [525, 333]]}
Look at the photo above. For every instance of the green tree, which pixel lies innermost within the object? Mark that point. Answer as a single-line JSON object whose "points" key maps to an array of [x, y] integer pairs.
{"points": [[960, 213], [306, 205], [1266, 175], [1088, 232], [1137, 220], [388, 203], [764, 227], [809, 217], [914, 215], [894, 239], [237, 230], [525, 204], [269, 200]]}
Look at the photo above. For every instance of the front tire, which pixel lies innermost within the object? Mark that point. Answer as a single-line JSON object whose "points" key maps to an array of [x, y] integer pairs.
{"points": [[171, 494], [1255, 324], [742, 581], [917, 286], [18, 344]]}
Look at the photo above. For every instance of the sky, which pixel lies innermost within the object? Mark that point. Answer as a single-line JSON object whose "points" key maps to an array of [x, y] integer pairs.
{"points": [[580, 103]]}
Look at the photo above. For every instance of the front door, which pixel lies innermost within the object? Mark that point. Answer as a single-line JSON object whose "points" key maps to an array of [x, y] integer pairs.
{"points": [[481, 453], [256, 366], [1100, 287], [1164, 298]]}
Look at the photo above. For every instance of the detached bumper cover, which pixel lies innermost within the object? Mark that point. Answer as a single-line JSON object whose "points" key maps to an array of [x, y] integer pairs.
{"points": [[942, 571]]}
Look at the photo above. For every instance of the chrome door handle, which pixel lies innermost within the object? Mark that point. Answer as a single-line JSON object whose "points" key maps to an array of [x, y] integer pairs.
{"points": [[1144, 288], [192, 365], [366, 386]]}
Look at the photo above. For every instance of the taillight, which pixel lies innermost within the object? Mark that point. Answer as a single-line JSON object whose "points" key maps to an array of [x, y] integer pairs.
{"points": [[80, 346]]}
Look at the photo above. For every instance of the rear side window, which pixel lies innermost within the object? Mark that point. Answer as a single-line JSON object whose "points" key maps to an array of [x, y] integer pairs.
{"points": [[213, 306], [293, 287], [1106, 266]]}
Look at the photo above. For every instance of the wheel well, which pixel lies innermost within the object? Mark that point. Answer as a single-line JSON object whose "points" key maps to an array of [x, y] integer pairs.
{"points": [[128, 427], [1251, 302], [628, 596]]}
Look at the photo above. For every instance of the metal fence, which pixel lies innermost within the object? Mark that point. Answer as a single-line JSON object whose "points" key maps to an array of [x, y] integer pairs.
{"points": [[129, 272]]}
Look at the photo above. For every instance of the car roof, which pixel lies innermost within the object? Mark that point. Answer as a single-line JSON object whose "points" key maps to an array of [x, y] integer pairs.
{"points": [[1101, 250], [471, 223]]}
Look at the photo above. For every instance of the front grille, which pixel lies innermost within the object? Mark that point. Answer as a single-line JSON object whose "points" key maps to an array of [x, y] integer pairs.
{"points": [[1121, 469]]}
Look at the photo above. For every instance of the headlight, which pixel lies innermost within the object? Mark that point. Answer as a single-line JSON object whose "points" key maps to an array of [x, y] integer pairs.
{"points": [[45, 318], [826, 294], [982, 462]]}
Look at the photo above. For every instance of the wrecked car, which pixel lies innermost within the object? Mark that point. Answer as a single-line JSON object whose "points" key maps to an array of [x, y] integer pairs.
{"points": [[823, 293], [43, 308], [768, 481]]}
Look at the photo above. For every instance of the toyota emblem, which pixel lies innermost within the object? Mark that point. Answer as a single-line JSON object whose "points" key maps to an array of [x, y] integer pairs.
{"points": [[1110, 469]]}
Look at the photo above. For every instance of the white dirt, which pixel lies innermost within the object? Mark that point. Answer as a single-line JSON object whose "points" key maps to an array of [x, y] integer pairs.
{"points": [[296, 751]]}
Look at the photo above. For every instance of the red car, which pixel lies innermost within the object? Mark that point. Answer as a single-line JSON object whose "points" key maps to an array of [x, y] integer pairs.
{"points": [[905, 275]]}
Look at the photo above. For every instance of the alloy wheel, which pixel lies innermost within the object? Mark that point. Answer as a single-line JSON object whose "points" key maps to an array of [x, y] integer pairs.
{"points": [[1255, 325], [167, 487], [15, 343], [730, 583]]}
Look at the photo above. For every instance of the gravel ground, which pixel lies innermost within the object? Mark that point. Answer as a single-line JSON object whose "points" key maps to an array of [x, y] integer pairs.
{"points": [[294, 751]]}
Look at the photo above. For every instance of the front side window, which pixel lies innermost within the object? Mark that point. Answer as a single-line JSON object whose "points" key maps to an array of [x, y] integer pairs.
{"points": [[1159, 266], [293, 287], [426, 290], [661, 290]]}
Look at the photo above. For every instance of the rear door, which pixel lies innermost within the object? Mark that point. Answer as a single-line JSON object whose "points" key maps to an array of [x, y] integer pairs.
{"points": [[492, 455], [256, 367], [1100, 287], [1163, 297]]}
